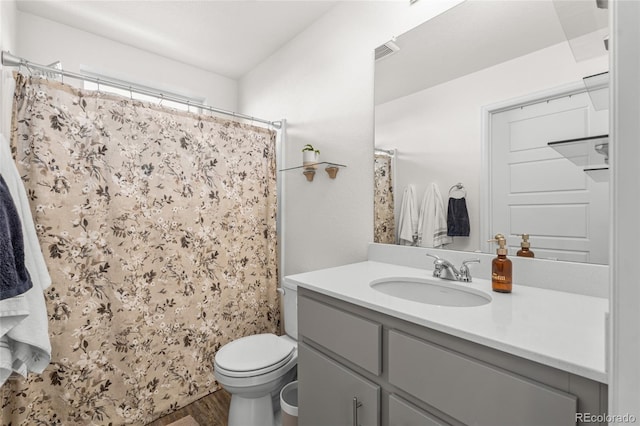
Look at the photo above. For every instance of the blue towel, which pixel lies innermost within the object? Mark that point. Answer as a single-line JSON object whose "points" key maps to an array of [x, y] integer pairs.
{"points": [[458, 218], [14, 277]]}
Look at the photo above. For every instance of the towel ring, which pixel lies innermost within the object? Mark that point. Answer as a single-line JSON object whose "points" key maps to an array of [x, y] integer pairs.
{"points": [[458, 187]]}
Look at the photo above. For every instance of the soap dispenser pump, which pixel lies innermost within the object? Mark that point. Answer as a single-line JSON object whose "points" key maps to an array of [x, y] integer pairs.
{"points": [[524, 247], [501, 268]]}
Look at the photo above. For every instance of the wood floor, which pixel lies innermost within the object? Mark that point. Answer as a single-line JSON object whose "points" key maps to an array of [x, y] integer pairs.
{"points": [[211, 410]]}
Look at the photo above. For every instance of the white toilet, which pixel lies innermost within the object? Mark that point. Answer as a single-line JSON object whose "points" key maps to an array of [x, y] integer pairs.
{"points": [[253, 369]]}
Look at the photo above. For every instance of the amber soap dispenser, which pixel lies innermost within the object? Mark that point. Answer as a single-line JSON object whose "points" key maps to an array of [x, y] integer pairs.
{"points": [[501, 268], [524, 247]]}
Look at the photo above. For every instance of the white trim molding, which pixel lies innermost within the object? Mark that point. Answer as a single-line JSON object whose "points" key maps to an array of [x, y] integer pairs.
{"points": [[624, 305]]}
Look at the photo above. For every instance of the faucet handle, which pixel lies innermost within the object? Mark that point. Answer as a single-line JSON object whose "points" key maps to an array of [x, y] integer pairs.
{"points": [[465, 274], [437, 263], [434, 256]]}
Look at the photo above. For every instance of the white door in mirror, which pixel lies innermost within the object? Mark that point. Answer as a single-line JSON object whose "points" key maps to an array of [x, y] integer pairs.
{"points": [[538, 192]]}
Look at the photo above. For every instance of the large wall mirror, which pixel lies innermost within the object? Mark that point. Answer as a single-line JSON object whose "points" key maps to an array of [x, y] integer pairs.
{"points": [[468, 102]]}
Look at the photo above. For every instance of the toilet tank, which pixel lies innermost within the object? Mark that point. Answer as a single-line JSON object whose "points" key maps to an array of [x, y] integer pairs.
{"points": [[290, 306]]}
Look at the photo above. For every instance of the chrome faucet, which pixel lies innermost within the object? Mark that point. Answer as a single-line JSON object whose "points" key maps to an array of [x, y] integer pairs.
{"points": [[445, 269]]}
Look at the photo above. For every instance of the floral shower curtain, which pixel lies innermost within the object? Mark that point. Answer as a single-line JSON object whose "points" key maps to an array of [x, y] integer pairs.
{"points": [[383, 219], [159, 232]]}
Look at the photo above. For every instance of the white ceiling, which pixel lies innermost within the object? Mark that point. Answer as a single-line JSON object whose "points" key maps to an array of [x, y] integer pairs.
{"points": [[225, 37], [231, 37], [478, 34]]}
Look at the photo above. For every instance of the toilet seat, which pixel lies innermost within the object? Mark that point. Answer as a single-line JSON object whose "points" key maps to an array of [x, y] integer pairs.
{"points": [[254, 355]]}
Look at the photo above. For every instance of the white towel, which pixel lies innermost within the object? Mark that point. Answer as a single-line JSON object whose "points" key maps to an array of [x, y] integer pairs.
{"points": [[28, 341], [432, 224], [12, 311], [408, 221], [6, 358]]}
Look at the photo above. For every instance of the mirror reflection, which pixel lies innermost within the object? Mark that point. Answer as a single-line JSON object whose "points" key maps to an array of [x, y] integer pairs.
{"points": [[465, 107]]}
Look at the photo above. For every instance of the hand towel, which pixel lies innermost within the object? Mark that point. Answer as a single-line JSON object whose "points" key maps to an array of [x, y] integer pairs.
{"points": [[14, 277], [458, 218], [408, 220], [27, 342], [432, 224], [34, 259]]}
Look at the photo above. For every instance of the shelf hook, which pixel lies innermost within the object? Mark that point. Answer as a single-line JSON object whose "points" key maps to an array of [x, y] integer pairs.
{"points": [[332, 171], [309, 174]]}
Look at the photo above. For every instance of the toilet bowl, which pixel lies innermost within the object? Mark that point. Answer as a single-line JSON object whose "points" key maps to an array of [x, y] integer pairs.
{"points": [[253, 369]]}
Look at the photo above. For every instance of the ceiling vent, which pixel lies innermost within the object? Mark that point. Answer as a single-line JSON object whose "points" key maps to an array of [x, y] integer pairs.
{"points": [[386, 49]]}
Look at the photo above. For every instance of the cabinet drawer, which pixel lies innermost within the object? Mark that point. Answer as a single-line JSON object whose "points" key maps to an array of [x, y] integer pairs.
{"points": [[328, 391], [401, 413], [471, 391], [354, 338]]}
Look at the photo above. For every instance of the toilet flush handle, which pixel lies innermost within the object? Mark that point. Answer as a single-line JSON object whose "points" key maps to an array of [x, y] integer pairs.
{"points": [[280, 290]]}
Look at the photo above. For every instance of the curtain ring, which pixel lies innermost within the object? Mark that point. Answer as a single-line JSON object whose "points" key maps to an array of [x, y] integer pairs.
{"points": [[161, 99], [98, 83], [130, 93]]}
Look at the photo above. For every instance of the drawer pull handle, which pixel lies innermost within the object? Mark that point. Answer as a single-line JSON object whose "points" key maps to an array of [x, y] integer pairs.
{"points": [[356, 405]]}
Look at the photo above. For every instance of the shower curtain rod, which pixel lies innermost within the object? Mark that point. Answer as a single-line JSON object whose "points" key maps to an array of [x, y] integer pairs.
{"points": [[14, 61]]}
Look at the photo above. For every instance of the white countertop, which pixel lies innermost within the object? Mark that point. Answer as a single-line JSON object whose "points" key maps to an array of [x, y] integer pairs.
{"points": [[561, 330]]}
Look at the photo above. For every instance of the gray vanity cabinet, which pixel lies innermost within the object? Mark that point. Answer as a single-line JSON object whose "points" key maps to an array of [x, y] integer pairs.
{"points": [[338, 396], [357, 366]]}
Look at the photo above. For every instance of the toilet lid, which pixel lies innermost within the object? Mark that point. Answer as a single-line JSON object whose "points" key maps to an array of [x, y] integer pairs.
{"points": [[257, 354]]}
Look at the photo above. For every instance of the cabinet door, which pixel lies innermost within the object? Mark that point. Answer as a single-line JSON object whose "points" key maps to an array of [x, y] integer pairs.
{"points": [[328, 393], [401, 413]]}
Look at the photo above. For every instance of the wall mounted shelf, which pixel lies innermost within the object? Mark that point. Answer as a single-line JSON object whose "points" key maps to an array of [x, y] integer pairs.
{"points": [[591, 153], [309, 170], [585, 26], [599, 174], [597, 86]]}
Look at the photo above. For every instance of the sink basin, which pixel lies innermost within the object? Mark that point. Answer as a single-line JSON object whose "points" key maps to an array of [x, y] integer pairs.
{"points": [[432, 291]]}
